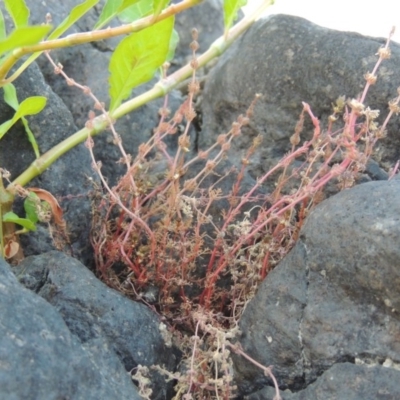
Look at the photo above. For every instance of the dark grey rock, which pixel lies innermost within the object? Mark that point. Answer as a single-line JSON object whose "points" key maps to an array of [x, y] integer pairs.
{"points": [[335, 297], [41, 359], [289, 61], [93, 311], [344, 381]]}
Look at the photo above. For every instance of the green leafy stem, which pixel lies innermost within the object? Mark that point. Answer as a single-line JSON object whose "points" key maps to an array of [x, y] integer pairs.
{"points": [[160, 89]]}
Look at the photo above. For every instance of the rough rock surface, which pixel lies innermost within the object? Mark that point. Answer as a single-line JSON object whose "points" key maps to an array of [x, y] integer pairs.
{"points": [[335, 297], [289, 61], [42, 359], [92, 311], [344, 381]]}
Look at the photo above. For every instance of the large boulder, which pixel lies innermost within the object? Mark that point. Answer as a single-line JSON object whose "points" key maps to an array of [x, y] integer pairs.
{"points": [[42, 359], [335, 298], [92, 311]]}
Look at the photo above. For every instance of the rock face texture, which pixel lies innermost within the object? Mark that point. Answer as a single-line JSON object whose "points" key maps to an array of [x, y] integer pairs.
{"points": [[42, 359], [93, 312], [344, 381], [335, 297], [327, 318], [289, 61]]}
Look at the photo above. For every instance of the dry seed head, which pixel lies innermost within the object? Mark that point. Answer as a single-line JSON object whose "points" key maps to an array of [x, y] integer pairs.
{"points": [[195, 34], [340, 103], [99, 105], [117, 140], [370, 78], [356, 106], [371, 114], [190, 114], [221, 139], [190, 185], [58, 68], [236, 129], [162, 127], [257, 141], [194, 87], [164, 112], [373, 126], [243, 120], [203, 155], [295, 139], [332, 118], [194, 63], [89, 124], [178, 117], [210, 165], [184, 143], [381, 134], [226, 146], [6, 174], [86, 90], [384, 53], [194, 46], [393, 106], [125, 160], [97, 166], [89, 143]]}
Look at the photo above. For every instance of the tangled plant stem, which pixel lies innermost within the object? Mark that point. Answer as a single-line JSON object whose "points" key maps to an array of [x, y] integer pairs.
{"points": [[199, 272], [182, 208]]}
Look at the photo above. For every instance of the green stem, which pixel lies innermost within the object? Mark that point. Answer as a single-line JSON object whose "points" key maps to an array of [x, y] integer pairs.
{"points": [[6, 228], [159, 90]]}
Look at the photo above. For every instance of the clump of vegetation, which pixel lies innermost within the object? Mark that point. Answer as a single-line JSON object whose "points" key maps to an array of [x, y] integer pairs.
{"points": [[158, 239]]}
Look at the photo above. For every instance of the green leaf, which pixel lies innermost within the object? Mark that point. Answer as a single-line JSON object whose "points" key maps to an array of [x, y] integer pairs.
{"points": [[136, 11], [137, 58], [231, 8], [24, 222], [31, 137], [30, 206], [159, 5], [109, 11], [172, 45], [112, 9], [3, 33], [30, 106], [77, 12], [24, 36], [5, 127], [10, 96], [18, 11]]}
